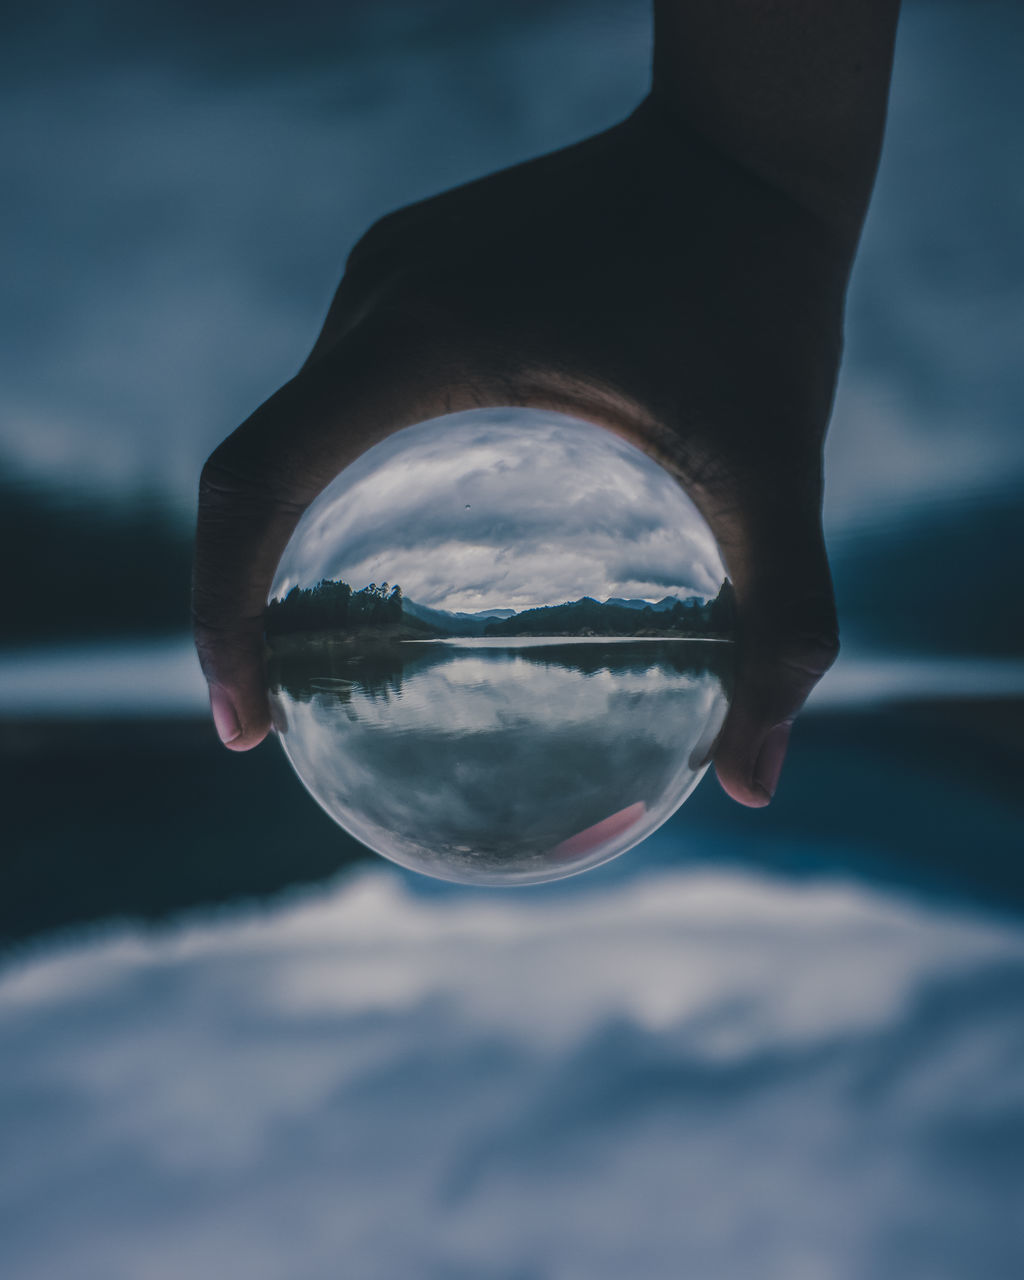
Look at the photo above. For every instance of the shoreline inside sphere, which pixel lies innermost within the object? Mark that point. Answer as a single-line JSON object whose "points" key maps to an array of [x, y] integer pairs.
{"points": [[499, 647]]}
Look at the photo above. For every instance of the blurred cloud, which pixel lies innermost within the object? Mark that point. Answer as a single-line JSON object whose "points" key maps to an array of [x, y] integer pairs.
{"points": [[171, 237], [928, 407], [182, 193], [702, 1073]]}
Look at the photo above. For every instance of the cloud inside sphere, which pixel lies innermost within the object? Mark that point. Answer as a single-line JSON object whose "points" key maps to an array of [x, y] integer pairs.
{"points": [[505, 508]]}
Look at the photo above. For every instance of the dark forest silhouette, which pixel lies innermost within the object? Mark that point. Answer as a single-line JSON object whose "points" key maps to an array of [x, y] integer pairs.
{"points": [[333, 606]]}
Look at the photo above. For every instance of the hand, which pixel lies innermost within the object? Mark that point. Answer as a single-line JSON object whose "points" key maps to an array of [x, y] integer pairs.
{"points": [[642, 280]]}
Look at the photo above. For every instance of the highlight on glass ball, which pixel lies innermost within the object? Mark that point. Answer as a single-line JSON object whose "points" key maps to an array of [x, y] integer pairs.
{"points": [[499, 647]]}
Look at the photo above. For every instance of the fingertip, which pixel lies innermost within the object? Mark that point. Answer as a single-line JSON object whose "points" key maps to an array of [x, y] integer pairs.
{"points": [[248, 739], [225, 717], [747, 793], [250, 735], [771, 758], [234, 669], [750, 758], [238, 731], [737, 752]]}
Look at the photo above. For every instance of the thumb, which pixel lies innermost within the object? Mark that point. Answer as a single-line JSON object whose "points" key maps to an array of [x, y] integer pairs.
{"points": [[253, 490], [787, 640], [249, 505], [256, 485]]}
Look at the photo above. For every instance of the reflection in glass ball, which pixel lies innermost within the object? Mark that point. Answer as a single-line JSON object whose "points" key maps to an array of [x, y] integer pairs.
{"points": [[499, 647]]}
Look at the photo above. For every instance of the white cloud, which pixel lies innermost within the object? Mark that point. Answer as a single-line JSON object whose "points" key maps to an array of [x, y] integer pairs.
{"points": [[505, 508]]}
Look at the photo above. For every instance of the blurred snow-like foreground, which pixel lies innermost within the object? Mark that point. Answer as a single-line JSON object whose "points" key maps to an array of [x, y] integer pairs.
{"points": [[689, 1074]]}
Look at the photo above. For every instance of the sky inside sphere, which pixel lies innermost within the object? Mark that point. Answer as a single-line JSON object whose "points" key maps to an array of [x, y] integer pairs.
{"points": [[505, 509]]}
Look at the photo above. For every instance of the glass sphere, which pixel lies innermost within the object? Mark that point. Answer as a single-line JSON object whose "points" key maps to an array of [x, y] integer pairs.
{"points": [[499, 647]]}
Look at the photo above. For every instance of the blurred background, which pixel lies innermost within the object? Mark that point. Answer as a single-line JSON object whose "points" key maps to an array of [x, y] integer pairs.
{"points": [[785, 1043]]}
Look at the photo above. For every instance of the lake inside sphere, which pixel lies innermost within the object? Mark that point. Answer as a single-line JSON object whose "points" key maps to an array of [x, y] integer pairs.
{"points": [[499, 647]]}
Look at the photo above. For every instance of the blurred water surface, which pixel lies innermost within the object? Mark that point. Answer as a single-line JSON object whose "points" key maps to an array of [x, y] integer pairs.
{"points": [[784, 1044]]}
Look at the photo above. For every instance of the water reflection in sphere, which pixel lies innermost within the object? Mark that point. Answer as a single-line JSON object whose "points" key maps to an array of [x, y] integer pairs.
{"points": [[499, 647]]}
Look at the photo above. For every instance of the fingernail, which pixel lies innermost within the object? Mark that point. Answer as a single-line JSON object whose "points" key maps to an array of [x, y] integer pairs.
{"points": [[225, 721], [770, 759]]}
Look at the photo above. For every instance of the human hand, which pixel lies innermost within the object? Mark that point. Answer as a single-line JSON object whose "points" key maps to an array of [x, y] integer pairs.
{"points": [[642, 280]]}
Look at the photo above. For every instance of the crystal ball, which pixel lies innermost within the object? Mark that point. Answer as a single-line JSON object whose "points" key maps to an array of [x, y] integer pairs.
{"points": [[499, 647]]}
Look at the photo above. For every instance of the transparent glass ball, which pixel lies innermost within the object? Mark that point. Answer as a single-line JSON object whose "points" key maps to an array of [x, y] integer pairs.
{"points": [[499, 647]]}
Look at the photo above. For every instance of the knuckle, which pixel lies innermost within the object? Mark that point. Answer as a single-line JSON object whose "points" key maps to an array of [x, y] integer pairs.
{"points": [[232, 653], [224, 622], [216, 636], [230, 485], [800, 636], [810, 653], [225, 477]]}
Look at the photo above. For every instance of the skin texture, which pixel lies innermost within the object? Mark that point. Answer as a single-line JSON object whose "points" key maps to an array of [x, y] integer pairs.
{"points": [[678, 279]]}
